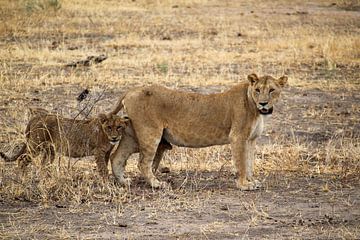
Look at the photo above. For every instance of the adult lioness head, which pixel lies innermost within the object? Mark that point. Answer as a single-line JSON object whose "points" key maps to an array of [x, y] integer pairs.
{"points": [[265, 91], [113, 126]]}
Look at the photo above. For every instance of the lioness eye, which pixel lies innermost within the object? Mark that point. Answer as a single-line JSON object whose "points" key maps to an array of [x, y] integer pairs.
{"points": [[119, 128], [257, 90], [109, 127], [271, 90]]}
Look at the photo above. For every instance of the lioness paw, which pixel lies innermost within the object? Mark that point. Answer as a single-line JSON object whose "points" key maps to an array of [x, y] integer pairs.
{"points": [[248, 186], [156, 184]]}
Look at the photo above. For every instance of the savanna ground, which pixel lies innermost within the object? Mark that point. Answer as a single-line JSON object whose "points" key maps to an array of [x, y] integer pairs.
{"points": [[308, 157]]}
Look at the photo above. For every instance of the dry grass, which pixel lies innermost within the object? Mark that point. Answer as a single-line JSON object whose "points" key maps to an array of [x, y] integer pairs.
{"points": [[146, 44], [77, 182], [199, 45]]}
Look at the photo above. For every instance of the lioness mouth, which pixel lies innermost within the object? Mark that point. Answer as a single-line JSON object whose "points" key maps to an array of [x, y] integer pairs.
{"points": [[266, 111], [113, 142]]}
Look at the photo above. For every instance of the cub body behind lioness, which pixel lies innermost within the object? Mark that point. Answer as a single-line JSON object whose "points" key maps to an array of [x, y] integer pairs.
{"points": [[47, 133], [195, 120]]}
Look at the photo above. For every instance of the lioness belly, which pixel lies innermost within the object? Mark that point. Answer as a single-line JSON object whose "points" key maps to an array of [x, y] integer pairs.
{"points": [[196, 139]]}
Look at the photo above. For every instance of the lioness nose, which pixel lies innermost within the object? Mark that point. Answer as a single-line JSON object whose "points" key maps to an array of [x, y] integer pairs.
{"points": [[114, 138], [263, 103]]}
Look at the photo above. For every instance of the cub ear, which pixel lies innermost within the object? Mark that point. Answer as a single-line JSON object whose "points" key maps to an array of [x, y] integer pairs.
{"points": [[102, 117], [282, 81], [126, 120], [253, 78]]}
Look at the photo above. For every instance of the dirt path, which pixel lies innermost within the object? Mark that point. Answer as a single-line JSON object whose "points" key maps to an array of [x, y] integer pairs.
{"points": [[288, 207]]}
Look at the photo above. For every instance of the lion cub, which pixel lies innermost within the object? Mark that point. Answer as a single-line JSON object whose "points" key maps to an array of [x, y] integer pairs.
{"points": [[47, 133]]}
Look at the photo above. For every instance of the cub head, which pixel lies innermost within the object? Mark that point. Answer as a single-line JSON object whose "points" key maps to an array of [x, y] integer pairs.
{"points": [[265, 91], [113, 126]]}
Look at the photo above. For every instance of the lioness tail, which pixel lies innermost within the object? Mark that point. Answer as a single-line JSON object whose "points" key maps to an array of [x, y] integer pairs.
{"points": [[119, 105]]}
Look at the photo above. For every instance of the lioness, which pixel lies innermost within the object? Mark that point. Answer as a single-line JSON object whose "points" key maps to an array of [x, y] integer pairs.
{"points": [[197, 120], [48, 133]]}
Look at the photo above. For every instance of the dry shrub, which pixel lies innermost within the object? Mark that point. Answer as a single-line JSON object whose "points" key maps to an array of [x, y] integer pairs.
{"points": [[54, 183]]}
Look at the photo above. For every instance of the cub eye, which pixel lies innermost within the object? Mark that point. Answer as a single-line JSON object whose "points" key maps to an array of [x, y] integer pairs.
{"points": [[109, 127], [271, 90], [257, 90]]}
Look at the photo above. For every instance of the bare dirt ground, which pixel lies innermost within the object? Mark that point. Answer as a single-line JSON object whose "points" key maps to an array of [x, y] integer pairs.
{"points": [[308, 157]]}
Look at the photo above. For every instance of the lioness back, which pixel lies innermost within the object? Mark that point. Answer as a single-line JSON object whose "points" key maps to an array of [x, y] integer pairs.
{"points": [[189, 119]]}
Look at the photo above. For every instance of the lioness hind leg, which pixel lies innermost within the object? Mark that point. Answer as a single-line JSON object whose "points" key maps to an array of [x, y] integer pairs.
{"points": [[145, 167], [148, 146], [127, 146], [163, 146]]}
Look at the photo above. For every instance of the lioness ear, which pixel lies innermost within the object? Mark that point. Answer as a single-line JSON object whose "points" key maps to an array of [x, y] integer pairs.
{"points": [[253, 78], [102, 117], [282, 81]]}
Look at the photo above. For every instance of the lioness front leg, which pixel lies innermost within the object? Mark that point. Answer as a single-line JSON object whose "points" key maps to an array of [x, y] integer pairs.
{"points": [[242, 161], [251, 159]]}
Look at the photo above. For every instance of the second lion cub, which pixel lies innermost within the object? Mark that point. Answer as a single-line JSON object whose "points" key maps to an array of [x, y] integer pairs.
{"points": [[47, 133]]}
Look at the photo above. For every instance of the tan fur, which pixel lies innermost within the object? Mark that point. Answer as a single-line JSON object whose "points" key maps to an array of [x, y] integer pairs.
{"points": [[48, 133], [195, 120]]}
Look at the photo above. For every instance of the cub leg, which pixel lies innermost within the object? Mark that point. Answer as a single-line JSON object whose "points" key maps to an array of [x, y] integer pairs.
{"points": [[24, 161], [127, 146], [102, 158], [107, 157], [29, 152], [48, 154]]}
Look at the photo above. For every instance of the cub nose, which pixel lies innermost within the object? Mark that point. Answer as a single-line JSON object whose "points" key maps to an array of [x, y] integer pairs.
{"points": [[263, 103]]}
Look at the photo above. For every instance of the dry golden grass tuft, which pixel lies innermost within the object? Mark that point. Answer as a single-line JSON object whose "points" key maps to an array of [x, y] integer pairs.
{"points": [[62, 184], [352, 5]]}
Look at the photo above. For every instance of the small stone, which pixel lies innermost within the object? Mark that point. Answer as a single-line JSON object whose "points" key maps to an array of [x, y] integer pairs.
{"points": [[123, 225]]}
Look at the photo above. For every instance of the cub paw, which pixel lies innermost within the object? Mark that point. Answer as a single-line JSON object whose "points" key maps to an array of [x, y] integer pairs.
{"points": [[125, 182]]}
